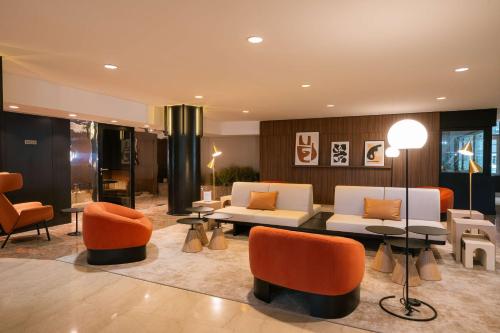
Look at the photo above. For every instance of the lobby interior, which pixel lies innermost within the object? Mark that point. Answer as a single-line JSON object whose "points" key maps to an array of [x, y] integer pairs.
{"points": [[264, 166]]}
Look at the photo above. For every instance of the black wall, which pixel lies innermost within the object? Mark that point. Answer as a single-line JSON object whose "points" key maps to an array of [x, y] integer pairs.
{"points": [[45, 166], [483, 186]]}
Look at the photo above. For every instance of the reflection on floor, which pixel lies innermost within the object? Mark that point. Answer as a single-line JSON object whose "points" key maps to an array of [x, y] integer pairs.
{"points": [[40, 294]]}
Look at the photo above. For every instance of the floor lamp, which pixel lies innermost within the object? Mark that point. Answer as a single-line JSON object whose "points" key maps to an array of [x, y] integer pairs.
{"points": [[473, 168], [404, 135], [392, 153], [216, 153]]}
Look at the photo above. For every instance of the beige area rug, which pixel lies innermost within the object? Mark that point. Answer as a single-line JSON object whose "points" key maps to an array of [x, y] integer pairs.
{"points": [[466, 300]]}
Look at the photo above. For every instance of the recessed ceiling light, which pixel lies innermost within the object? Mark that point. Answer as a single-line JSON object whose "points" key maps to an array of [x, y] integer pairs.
{"points": [[13, 107], [330, 105], [245, 111], [198, 97], [72, 115], [110, 66], [114, 121], [306, 85], [461, 69], [255, 39], [441, 98]]}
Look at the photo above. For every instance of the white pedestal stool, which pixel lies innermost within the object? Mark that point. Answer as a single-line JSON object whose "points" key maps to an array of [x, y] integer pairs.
{"points": [[486, 256]]}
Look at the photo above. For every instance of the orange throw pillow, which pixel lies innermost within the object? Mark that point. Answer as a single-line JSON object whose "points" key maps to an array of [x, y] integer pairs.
{"points": [[263, 200], [382, 209]]}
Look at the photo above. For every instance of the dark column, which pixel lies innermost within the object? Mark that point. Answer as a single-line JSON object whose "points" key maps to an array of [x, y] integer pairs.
{"points": [[184, 126]]}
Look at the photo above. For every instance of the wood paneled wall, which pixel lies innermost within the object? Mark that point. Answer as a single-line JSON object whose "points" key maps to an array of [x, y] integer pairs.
{"points": [[277, 144]]}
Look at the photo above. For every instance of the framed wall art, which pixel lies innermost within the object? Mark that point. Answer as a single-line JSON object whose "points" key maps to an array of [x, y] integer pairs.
{"points": [[340, 153], [307, 148], [374, 153]]}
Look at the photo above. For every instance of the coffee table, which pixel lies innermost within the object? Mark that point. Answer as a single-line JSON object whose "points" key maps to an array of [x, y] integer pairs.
{"points": [[218, 240], [398, 275], [384, 261], [74, 210], [193, 241], [200, 210], [426, 263]]}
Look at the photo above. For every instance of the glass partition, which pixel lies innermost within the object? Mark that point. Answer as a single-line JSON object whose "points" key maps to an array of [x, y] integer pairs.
{"points": [[452, 142]]}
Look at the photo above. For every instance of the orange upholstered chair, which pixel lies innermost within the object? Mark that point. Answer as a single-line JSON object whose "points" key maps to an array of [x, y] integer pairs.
{"points": [[114, 234], [19, 217], [329, 269]]}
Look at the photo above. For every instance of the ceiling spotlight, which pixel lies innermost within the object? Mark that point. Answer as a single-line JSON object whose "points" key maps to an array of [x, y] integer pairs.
{"points": [[461, 69], [13, 107], [255, 39], [441, 98], [198, 97], [245, 111], [72, 115], [110, 66], [330, 105], [305, 85], [114, 121]]}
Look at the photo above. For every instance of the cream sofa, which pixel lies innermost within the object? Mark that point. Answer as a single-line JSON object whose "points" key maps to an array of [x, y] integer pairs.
{"points": [[294, 205], [349, 208]]}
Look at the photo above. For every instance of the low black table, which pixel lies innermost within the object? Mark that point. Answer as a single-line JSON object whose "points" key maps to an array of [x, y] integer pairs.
{"points": [[384, 261], [196, 236], [200, 210], [75, 210], [218, 241], [426, 263]]}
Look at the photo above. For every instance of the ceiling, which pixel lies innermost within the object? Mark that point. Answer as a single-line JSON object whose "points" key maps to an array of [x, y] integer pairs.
{"points": [[365, 57]]}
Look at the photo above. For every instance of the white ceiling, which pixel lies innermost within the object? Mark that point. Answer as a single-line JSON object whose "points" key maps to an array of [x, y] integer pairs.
{"points": [[366, 57]]}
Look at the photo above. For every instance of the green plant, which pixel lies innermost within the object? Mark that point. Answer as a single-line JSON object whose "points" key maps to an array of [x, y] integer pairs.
{"points": [[227, 176]]}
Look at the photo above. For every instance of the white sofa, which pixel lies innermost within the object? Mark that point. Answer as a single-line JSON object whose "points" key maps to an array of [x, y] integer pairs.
{"points": [[349, 208], [294, 204]]}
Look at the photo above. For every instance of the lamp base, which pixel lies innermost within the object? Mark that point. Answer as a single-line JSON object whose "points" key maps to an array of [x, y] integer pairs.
{"points": [[409, 309]]}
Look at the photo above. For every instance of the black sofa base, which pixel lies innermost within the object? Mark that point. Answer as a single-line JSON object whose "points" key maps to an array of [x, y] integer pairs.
{"points": [[116, 256], [322, 306]]}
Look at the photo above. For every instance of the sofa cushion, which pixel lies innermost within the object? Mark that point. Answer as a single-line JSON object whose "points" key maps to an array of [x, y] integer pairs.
{"points": [[286, 218], [294, 196], [424, 203], [350, 223], [263, 200], [240, 194], [241, 214], [349, 200], [382, 209]]}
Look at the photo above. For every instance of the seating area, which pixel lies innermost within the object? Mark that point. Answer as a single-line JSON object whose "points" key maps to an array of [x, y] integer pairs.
{"points": [[249, 167]]}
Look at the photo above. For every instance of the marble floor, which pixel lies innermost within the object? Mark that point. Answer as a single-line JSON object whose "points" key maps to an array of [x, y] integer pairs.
{"points": [[40, 294]]}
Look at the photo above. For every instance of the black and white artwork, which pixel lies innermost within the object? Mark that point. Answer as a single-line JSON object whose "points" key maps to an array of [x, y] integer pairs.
{"points": [[340, 153]]}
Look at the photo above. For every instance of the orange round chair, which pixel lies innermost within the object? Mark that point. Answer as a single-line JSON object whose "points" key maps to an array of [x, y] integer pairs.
{"points": [[447, 197], [114, 234], [329, 269]]}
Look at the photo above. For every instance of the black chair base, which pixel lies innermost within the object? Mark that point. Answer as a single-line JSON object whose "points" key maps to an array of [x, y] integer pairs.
{"points": [[28, 229], [116, 256], [321, 306]]}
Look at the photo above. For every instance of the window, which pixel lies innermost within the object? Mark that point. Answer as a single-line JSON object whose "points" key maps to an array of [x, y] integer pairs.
{"points": [[495, 168], [452, 142]]}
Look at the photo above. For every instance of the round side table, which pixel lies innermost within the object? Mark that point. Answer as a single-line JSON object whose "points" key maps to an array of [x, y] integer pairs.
{"points": [[193, 242], [426, 262], [74, 210], [384, 261], [398, 275], [218, 240]]}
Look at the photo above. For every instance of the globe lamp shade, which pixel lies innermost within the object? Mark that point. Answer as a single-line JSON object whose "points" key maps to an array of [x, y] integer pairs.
{"points": [[392, 152], [407, 134]]}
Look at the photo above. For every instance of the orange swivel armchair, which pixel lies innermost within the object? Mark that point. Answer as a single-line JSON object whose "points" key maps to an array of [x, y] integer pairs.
{"points": [[18, 217], [114, 234], [329, 270]]}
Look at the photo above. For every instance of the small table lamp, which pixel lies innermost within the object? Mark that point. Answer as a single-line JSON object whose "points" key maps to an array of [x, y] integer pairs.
{"points": [[467, 150]]}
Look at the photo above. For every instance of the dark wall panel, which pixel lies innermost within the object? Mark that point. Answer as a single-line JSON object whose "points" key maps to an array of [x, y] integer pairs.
{"points": [[277, 144], [43, 160]]}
